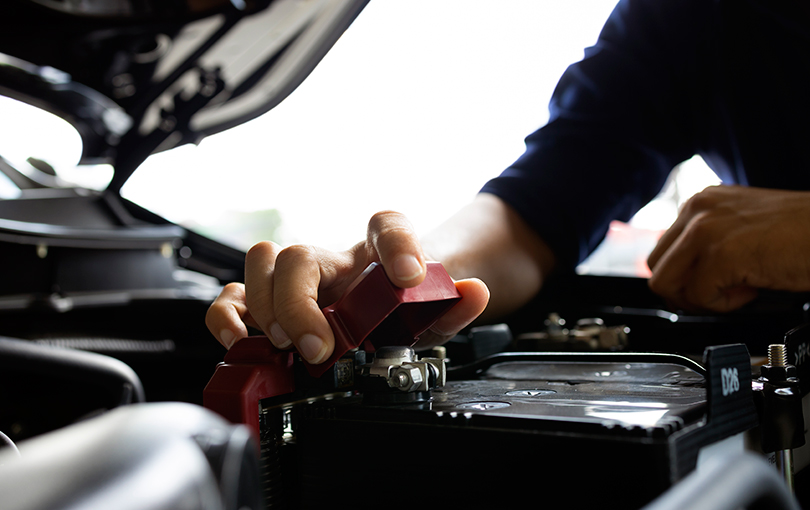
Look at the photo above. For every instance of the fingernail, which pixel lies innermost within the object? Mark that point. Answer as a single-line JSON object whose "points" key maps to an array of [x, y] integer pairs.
{"points": [[279, 337], [407, 267], [312, 348], [227, 338]]}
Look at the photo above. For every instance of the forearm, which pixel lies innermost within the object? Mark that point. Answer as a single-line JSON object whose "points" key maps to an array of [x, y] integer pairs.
{"points": [[487, 239]]}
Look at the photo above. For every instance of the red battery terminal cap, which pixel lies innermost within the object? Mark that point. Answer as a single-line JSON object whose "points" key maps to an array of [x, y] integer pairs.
{"points": [[374, 313]]}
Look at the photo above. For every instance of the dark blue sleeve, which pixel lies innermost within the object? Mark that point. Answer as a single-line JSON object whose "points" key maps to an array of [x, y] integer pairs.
{"points": [[620, 120]]}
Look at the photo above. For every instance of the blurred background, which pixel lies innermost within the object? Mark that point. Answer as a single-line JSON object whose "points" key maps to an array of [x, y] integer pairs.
{"points": [[414, 109]]}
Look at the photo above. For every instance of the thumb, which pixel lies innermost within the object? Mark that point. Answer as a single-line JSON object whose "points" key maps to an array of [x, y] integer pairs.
{"points": [[474, 299], [392, 237]]}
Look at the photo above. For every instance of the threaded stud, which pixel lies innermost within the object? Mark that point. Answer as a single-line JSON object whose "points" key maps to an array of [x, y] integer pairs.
{"points": [[777, 355]]}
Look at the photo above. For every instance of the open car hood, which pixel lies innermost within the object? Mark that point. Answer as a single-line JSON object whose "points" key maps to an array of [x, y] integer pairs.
{"points": [[136, 77]]}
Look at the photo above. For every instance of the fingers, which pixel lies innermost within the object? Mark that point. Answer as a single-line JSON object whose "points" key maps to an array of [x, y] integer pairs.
{"points": [[227, 316], [392, 239], [260, 265], [707, 260], [719, 280], [474, 299], [300, 275], [694, 207], [671, 270], [285, 289], [282, 289], [696, 272], [665, 242]]}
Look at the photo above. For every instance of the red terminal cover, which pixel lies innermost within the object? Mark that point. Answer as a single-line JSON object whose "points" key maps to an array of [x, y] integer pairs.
{"points": [[253, 370], [376, 313], [372, 311]]}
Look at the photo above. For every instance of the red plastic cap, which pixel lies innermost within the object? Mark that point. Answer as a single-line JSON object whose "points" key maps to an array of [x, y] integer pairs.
{"points": [[252, 370], [376, 313]]}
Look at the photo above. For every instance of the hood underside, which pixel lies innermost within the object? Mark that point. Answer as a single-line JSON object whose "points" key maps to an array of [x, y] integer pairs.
{"points": [[136, 77]]}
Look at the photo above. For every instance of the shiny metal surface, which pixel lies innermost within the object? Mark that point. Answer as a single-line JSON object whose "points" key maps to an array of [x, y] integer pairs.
{"points": [[645, 396]]}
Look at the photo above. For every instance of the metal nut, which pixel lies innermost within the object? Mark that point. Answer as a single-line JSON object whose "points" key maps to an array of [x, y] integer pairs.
{"points": [[406, 378]]}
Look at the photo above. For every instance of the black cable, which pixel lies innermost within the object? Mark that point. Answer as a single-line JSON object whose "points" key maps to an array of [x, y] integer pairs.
{"points": [[24, 356]]}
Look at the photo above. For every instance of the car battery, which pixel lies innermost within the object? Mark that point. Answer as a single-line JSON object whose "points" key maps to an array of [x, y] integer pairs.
{"points": [[384, 426]]}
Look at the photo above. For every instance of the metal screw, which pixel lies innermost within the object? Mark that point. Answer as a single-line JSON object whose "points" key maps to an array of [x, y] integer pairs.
{"points": [[777, 355]]}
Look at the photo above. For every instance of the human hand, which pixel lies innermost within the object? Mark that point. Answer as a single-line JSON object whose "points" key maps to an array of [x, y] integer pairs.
{"points": [[285, 289], [729, 241]]}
